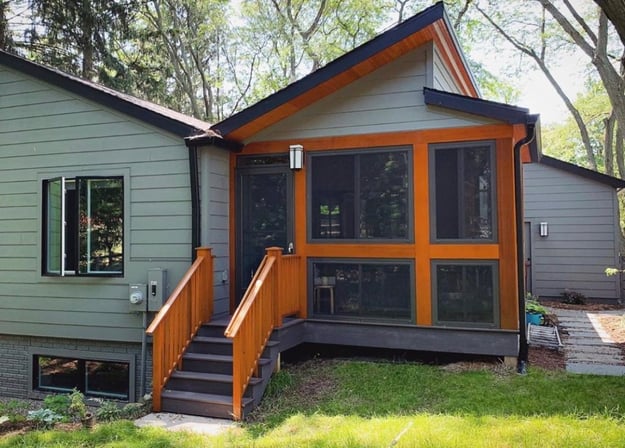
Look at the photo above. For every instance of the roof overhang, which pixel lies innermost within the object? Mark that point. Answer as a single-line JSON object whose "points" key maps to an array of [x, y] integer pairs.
{"points": [[488, 109], [151, 113], [431, 24], [611, 181]]}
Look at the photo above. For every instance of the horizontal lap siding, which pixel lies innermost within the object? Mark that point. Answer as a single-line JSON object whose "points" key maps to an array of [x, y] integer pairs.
{"points": [[583, 228], [46, 131], [388, 100]]}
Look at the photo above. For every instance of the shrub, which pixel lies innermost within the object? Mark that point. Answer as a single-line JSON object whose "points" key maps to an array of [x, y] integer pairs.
{"points": [[533, 307], [59, 404], [108, 411], [573, 297], [44, 417]]}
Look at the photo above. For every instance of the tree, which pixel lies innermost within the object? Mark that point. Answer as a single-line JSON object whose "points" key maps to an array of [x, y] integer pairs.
{"points": [[615, 11], [6, 40], [78, 36]]}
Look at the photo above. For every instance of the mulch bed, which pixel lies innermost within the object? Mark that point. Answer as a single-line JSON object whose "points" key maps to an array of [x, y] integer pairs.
{"points": [[546, 358]]}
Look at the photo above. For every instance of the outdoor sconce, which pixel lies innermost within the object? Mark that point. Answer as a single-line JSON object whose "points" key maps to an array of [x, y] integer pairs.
{"points": [[296, 157], [544, 229]]}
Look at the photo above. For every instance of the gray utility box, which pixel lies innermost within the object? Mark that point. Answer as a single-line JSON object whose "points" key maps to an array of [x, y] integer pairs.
{"points": [[157, 288]]}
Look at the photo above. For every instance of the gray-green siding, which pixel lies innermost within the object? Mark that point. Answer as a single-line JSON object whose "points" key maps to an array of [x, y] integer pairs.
{"points": [[584, 237], [45, 132], [388, 100]]}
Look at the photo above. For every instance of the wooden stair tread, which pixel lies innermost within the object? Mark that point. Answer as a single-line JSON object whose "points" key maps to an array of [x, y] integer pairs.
{"points": [[217, 377], [213, 339], [200, 397], [207, 357]]}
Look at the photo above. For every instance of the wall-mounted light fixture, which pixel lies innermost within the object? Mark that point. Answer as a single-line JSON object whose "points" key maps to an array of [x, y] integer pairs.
{"points": [[296, 157], [544, 229]]}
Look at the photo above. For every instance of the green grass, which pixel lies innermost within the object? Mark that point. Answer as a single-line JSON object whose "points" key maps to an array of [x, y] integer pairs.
{"points": [[367, 404]]}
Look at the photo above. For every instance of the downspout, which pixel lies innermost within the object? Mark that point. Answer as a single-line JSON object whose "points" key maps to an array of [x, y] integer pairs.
{"points": [[195, 200], [518, 191]]}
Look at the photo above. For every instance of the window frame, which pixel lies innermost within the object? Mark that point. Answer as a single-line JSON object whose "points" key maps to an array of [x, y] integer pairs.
{"points": [[410, 262], [84, 357], [432, 148], [496, 293], [408, 149], [77, 180]]}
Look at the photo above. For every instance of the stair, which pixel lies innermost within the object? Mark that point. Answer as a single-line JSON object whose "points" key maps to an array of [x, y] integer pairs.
{"points": [[203, 385]]}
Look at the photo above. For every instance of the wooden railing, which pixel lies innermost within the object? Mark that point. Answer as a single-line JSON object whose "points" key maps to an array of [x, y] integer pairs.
{"points": [[188, 307], [272, 294]]}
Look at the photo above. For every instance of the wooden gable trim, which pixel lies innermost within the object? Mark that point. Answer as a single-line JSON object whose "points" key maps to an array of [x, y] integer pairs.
{"points": [[429, 25], [454, 60]]}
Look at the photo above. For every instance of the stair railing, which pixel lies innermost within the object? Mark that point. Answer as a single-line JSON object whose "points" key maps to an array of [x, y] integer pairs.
{"points": [[272, 294], [188, 307]]}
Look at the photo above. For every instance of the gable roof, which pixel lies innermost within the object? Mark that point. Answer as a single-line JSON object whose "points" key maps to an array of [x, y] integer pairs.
{"points": [[611, 181], [159, 116], [430, 24]]}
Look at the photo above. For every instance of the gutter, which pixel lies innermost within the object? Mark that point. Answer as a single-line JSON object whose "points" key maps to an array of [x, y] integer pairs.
{"points": [[196, 224], [530, 127]]}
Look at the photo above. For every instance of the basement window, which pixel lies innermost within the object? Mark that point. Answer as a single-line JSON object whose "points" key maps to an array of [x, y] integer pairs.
{"points": [[94, 378], [83, 226]]}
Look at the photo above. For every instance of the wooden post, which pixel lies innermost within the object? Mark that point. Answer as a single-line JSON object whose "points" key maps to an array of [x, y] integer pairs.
{"points": [[276, 300]]}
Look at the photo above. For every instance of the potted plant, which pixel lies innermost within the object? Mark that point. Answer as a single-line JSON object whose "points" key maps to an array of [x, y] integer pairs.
{"points": [[534, 311]]}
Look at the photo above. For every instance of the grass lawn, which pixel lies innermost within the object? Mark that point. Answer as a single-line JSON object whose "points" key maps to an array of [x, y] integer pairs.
{"points": [[369, 404]]}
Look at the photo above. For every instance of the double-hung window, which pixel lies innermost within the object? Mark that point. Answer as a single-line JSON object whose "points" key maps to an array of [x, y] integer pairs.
{"points": [[362, 195], [83, 226]]}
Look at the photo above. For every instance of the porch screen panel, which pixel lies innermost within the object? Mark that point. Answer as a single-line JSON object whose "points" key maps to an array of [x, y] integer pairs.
{"points": [[360, 195], [466, 293], [464, 192]]}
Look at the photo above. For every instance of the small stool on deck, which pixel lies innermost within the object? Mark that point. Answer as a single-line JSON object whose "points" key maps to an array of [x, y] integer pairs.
{"points": [[318, 296]]}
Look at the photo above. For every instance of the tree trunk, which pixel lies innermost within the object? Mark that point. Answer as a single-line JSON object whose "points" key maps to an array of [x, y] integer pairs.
{"points": [[608, 141], [615, 11], [618, 149]]}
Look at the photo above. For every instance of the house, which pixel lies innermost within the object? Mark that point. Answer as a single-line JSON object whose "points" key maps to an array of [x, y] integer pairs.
{"points": [[579, 212], [71, 149], [374, 202]]}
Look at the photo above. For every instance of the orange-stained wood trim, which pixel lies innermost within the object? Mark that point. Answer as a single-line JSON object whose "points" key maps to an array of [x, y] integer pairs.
{"points": [[506, 214], [484, 132], [464, 251], [423, 294], [422, 251], [452, 58]]}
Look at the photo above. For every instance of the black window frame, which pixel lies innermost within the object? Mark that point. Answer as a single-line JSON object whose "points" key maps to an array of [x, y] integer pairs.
{"points": [[410, 262], [494, 264], [408, 150], [82, 376], [433, 200], [75, 262]]}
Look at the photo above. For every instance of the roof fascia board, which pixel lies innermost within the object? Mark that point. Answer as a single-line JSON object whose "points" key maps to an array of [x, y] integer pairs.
{"points": [[611, 181], [333, 68], [102, 97], [476, 106]]}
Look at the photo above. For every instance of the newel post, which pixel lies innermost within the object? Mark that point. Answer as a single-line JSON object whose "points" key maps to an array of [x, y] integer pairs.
{"points": [[276, 252], [206, 282]]}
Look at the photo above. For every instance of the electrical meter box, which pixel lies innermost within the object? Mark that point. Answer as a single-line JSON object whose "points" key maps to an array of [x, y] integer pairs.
{"points": [[137, 297], [157, 288]]}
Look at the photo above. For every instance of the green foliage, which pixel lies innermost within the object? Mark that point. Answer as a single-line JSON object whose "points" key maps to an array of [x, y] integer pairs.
{"points": [[44, 418], [533, 307], [573, 297], [77, 406], [108, 411], [58, 403]]}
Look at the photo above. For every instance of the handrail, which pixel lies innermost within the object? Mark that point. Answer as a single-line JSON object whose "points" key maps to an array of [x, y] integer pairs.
{"points": [[269, 297], [188, 307]]}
